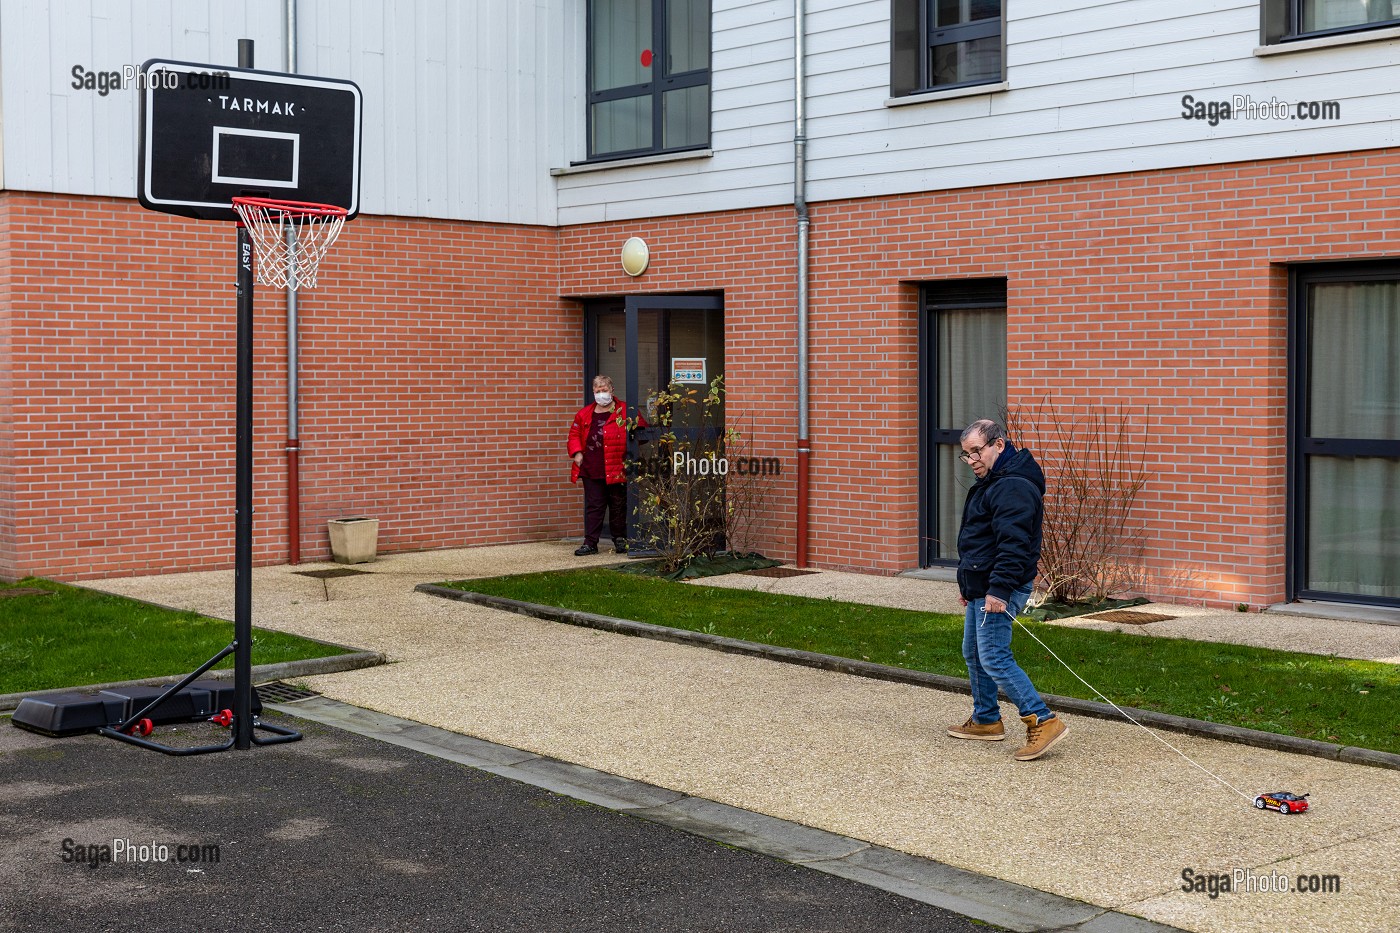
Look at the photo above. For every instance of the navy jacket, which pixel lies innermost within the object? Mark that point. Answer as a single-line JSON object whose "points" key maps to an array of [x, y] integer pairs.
{"points": [[999, 542]]}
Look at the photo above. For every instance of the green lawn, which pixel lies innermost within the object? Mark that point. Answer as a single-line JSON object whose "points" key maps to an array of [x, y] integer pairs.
{"points": [[1311, 696], [76, 637]]}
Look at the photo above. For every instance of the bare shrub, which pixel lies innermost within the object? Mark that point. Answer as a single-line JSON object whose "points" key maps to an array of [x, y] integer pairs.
{"points": [[1095, 465], [691, 503]]}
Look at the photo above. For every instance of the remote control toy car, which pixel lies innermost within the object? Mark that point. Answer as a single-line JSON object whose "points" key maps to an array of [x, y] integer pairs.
{"points": [[1282, 801]]}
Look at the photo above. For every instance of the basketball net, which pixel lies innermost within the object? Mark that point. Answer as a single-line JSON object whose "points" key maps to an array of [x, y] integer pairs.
{"points": [[289, 238]]}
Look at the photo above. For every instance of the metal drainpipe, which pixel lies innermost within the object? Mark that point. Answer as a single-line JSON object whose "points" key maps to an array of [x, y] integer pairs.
{"points": [[293, 429], [804, 449]]}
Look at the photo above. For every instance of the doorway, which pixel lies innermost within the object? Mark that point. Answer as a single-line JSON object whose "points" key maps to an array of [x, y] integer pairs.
{"points": [[962, 377], [644, 343], [1344, 451]]}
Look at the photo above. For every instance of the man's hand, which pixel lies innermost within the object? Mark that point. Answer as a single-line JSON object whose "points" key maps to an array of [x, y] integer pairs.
{"points": [[994, 605]]}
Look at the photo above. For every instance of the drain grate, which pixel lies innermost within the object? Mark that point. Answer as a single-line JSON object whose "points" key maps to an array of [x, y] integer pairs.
{"points": [[1129, 616], [779, 572], [279, 692], [24, 591], [330, 574]]}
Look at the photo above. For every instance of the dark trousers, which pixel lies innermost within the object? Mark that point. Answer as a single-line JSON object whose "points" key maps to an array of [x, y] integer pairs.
{"points": [[599, 496]]}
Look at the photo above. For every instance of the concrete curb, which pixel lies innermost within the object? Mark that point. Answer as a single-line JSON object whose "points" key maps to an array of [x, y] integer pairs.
{"points": [[1001, 903], [1164, 721], [262, 673]]}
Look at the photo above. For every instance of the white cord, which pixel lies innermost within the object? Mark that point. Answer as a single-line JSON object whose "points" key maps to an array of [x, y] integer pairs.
{"points": [[1131, 719]]}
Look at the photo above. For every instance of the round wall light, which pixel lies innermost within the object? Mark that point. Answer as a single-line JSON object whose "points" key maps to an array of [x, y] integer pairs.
{"points": [[635, 256]]}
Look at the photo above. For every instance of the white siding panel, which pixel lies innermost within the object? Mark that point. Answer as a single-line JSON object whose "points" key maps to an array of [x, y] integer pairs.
{"points": [[458, 173], [434, 168], [24, 50], [488, 47], [872, 36], [523, 128], [399, 119], [91, 119], [72, 111], [1131, 60], [741, 33], [778, 50], [775, 114], [468, 105], [1095, 87], [775, 73], [459, 98], [462, 101], [837, 16], [73, 140], [1045, 22]]}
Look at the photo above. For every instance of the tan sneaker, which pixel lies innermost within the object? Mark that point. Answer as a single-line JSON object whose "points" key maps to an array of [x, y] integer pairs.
{"points": [[991, 732], [1040, 736]]}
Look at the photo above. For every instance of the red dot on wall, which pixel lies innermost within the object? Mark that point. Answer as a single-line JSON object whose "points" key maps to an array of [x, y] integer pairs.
{"points": [[646, 58]]}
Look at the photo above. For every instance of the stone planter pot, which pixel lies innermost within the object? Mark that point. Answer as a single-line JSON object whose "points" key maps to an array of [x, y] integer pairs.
{"points": [[353, 540]]}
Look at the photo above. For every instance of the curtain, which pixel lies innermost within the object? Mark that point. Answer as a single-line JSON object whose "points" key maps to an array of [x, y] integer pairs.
{"points": [[971, 385], [1354, 502]]}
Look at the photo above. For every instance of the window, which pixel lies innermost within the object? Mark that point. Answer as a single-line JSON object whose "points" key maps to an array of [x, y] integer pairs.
{"points": [[648, 77], [963, 377], [1344, 452], [1284, 20], [941, 44]]}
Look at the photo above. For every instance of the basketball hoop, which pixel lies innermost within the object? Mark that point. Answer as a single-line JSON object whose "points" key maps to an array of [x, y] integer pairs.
{"points": [[289, 238]]}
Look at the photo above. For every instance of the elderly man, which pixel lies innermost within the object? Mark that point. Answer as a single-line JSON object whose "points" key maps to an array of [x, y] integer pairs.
{"points": [[998, 550]]}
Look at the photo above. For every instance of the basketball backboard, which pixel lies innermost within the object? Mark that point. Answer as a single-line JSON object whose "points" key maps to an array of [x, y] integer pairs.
{"points": [[210, 134]]}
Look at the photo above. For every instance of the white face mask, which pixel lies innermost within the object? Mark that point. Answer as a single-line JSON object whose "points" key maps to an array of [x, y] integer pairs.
{"points": [[604, 399]]}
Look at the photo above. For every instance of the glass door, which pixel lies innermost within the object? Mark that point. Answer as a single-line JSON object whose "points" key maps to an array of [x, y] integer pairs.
{"points": [[1345, 463], [963, 378], [643, 343]]}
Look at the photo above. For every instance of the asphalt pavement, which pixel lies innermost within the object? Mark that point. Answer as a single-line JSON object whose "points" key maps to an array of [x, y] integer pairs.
{"points": [[340, 832]]}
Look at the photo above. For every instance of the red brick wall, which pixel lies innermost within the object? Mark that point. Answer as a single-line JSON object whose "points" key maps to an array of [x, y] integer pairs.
{"points": [[439, 372], [437, 381], [1162, 292]]}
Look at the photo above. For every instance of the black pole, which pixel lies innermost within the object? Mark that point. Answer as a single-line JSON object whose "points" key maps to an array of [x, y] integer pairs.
{"points": [[243, 484], [243, 727]]}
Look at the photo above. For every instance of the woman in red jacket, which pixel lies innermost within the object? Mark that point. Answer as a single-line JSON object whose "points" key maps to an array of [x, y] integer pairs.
{"points": [[597, 444]]}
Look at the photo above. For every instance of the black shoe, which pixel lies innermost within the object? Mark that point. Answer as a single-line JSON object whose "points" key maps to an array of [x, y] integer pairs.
{"points": [[586, 550], [619, 547]]}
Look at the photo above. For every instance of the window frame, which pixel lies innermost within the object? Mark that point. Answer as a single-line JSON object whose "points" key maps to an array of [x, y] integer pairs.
{"points": [[1301, 445], [912, 32], [1281, 21], [661, 82], [935, 298]]}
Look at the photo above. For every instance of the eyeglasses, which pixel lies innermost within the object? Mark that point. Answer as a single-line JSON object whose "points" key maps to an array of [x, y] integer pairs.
{"points": [[975, 453]]}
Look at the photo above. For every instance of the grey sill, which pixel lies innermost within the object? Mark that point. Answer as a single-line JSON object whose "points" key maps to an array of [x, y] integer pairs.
{"points": [[924, 97], [1327, 42], [640, 160]]}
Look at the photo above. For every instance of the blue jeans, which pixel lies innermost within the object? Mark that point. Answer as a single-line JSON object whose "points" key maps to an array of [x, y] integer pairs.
{"points": [[987, 649]]}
